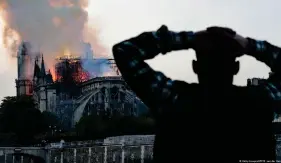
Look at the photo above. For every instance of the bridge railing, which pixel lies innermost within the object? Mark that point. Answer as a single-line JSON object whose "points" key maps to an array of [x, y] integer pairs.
{"points": [[116, 153], [108, 154]]}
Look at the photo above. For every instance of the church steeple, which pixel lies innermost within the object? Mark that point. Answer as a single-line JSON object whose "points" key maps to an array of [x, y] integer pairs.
{"points": [[36, 69], [49, 77], [43, 71]]}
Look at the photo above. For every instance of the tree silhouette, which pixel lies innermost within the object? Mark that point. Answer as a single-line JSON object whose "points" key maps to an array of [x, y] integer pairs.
{"points": [[20, 116], [94, 127]]}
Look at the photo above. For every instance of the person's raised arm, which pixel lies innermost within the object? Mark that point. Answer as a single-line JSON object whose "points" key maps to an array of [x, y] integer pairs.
{"points": [[152, 87], [270, 55], [261, 50], [265, 52]]}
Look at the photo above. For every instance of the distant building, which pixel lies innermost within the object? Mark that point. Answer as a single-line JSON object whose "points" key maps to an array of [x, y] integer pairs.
{"points": [[258, 81], [255, 81]]}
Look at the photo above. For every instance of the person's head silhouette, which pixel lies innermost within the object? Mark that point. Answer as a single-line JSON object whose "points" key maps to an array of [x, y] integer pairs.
{"points": [[214, 68], [216, 63]]}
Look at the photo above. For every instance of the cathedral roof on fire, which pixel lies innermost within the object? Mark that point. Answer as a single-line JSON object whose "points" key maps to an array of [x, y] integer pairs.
{"points": [[49, 78]]}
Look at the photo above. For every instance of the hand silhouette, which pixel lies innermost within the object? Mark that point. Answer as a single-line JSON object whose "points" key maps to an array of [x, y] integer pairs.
{"points": [[219, 39], [229, 39]]}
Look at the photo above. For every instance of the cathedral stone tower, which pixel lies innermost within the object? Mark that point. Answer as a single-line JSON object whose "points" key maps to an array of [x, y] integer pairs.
{"points": [[23, 82], [43, 87]]}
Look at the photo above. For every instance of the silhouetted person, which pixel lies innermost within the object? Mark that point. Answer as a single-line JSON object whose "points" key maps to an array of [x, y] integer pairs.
{"points": [[213, 120]]}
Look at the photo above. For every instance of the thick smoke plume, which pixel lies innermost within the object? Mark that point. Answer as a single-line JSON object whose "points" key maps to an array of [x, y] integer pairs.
{"points": [[51, 26]]}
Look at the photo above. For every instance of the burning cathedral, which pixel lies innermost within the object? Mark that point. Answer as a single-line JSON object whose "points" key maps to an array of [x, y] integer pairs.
{"points": [[76, 88]]}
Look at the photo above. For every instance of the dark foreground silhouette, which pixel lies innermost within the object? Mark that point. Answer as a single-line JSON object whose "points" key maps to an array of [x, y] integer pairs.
{"points": [[213, 121]]}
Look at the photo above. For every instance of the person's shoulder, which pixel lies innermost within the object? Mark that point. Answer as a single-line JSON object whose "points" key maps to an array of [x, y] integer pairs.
{"points": [[251, 100], [182, 86], [249, 88], [181, 83], [252, 92]]}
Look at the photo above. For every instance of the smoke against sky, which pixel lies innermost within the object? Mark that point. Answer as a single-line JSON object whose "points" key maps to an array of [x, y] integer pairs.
{"points": [[96, 67], [49, 25]]}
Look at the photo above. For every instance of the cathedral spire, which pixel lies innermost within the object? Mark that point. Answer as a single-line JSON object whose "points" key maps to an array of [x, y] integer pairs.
{"points": [[43, 71], [36, 69]]}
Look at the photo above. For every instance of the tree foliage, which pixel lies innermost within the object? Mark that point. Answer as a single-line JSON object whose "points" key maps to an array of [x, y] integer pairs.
{"points": [[22, 123], [50, 119], [20, 118], [94, 127]]}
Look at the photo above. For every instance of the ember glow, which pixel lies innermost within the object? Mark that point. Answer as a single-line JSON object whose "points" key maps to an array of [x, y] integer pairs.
{"points": [[53, 72], [70, 69], [66, 53]]}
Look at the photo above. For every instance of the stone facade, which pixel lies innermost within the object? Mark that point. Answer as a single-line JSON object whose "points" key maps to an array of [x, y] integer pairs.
{"points": [[44, 91]]}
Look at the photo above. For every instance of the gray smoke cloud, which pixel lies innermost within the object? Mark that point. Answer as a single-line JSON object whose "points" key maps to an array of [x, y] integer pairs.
{"points": [[49, 25], [96, 67]]}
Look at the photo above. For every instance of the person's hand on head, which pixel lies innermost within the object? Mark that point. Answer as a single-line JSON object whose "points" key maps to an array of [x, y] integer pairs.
{"points": [[228, 39], [201, 42], [219, 39]]}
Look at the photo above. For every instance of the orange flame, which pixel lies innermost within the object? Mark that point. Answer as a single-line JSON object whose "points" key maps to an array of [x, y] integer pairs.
{"points": [[66, 53], [52, 70]]}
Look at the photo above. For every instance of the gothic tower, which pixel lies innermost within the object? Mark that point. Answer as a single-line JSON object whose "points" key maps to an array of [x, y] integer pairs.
{"points": [[23, 82], [36, 73], [42, 87]]}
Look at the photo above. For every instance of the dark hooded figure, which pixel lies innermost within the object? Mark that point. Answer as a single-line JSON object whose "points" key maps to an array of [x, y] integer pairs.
{"points": [[213, 121]]}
